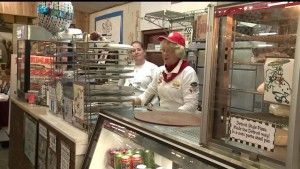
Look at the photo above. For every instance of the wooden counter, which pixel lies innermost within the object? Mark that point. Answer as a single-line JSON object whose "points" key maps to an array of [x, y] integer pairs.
{"points": [[74, 139]]}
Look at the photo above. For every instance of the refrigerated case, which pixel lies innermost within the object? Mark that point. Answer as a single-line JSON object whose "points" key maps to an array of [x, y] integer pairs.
{"points": [[247, 39], [173, 146]]}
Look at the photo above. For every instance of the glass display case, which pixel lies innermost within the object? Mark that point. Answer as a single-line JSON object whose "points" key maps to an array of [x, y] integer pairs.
{"points": [[120, 140], [33, 68], [249, 81], [33, 62]]}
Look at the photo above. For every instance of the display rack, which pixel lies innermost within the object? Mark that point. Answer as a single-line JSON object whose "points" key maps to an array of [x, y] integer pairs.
{"points": [[62, 74], [172, 19], [99, 66]]}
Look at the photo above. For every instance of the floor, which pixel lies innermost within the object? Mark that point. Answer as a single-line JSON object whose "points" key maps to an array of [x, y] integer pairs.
{"points": [[4, 147]]}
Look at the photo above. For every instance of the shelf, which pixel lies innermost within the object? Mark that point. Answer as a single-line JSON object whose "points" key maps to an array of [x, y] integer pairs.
{"points": [[270, 38], [248, 63], [64, 63], [107, 42], [175, 19], [153, 51], [245, 91], [265, 117], [108, 54]]}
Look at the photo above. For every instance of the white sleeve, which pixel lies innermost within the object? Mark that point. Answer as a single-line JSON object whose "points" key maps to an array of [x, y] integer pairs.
{"points": [[151, 89], [190, 93]]}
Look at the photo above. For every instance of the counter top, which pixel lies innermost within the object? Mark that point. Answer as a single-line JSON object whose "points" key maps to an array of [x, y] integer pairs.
{"points": [[33, 110], [77, 136], [80, 138]]}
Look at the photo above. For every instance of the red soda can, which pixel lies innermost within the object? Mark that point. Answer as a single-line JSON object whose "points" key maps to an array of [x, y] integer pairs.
{"points": [[111, 156], [125, 162], [136, 159]]}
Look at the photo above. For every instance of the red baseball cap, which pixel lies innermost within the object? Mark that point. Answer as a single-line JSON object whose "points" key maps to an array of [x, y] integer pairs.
{"points": [[174, 37]]}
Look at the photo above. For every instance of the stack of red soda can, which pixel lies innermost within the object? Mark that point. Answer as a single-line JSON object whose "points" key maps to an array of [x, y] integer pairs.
{"points": [[124, 158]]}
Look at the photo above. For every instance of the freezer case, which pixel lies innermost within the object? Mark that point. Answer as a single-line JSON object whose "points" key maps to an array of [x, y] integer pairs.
{"points": [[112, 136]]}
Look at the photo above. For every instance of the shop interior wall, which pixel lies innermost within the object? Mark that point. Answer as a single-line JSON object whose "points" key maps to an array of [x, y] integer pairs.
{"points": [[147, 7], [133, 11], [131, 21]]}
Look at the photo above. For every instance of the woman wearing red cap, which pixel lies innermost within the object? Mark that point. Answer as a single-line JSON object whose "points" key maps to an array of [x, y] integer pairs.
{"points": [[176, 83]]}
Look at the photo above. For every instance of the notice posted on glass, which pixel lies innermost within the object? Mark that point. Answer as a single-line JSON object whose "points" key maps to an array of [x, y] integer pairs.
{"points": [[252, 131]]}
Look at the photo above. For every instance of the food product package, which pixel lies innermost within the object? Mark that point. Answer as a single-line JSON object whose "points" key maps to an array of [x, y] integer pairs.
{"points": [[279, 110], [261, 88], [281, 137]]}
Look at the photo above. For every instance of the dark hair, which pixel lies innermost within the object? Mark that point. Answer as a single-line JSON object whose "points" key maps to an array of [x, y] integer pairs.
{"points": [[140, 43]]}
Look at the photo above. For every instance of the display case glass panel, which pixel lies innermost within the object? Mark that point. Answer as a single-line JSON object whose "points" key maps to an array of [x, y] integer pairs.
{"points": [[33, 68], [253, 75], [110, 137]]}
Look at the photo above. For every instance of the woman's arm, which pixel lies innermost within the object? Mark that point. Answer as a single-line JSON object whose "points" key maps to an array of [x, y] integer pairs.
{"points": [[190, 93], [151, 89]]}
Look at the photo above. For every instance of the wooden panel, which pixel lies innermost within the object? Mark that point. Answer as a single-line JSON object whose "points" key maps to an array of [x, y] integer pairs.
{"points": [[1, 7], [84, 26], [21, 19], [81, 20], [81, 16], [30, 9], [19, 8], [8, 18], [8, 8], [17, 158]]}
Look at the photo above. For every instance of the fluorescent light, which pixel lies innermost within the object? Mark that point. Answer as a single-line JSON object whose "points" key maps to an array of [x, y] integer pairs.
{"points": [[277, 3], [265, 34]]}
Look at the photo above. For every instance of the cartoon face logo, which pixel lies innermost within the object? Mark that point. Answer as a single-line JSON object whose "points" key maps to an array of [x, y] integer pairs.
{"points": [[275, 82]]}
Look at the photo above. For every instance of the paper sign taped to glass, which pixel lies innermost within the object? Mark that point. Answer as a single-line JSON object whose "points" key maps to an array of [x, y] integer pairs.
{"points": [[278, 75], [253, 133]]}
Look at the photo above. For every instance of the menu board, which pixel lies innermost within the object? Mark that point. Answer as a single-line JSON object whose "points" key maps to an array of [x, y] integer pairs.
{"points": [[30, 138]]}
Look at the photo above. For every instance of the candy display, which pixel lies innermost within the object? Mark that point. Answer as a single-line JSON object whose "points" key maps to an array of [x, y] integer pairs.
{"points": [[55, 16]]}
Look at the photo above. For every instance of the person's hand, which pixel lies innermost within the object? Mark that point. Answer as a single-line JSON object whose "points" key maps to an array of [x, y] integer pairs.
{"points": [[137, 101]]}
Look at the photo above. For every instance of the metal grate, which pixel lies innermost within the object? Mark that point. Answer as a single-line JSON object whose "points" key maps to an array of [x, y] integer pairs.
{"points": [[189, 133]]}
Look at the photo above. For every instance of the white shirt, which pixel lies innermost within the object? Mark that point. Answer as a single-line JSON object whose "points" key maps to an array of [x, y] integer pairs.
{"points": [[143, 76], [178, 93]]}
